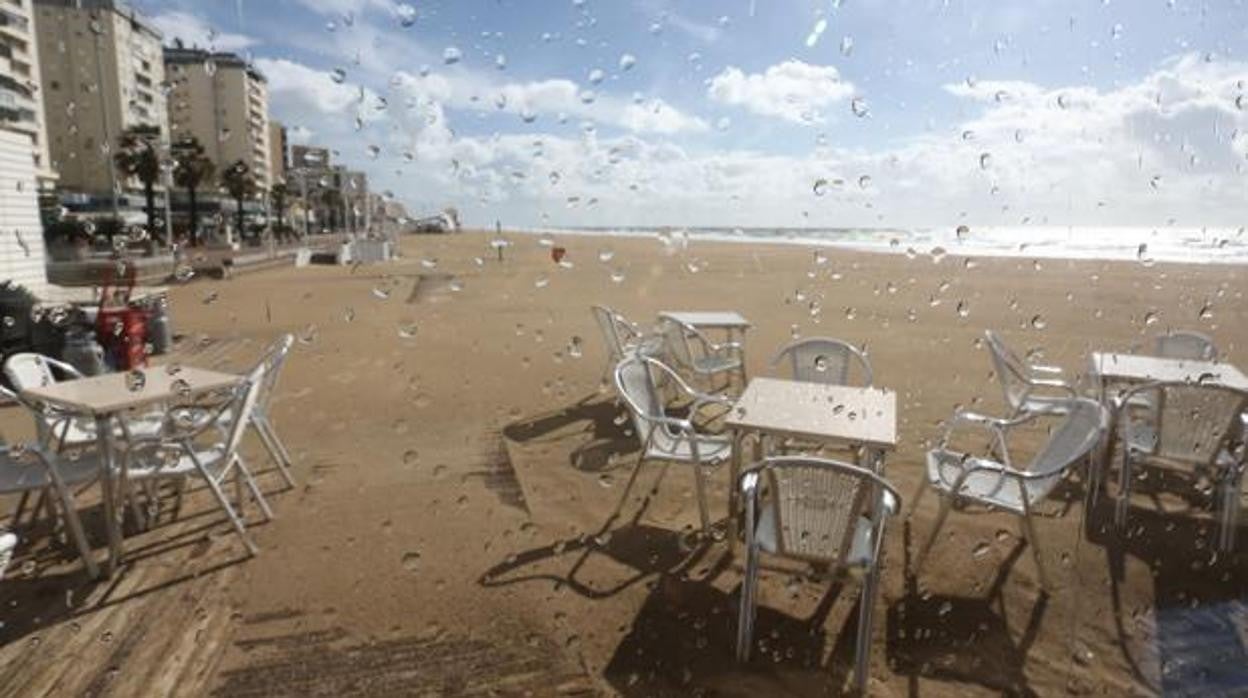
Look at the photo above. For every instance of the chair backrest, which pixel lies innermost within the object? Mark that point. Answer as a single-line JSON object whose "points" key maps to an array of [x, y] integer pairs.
{"points": [[635, 381], [1080, 431], [818, 502], [824, 360], [244, 401], [676, 342], [607, 320], [1186, 345], [26, 370], [1191, 421], [1011, 371], [273, 360]]}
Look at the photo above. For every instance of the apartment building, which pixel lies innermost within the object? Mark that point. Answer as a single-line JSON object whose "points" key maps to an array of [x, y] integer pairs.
{"points": [[278, 152], [21, 104], [224, 102], [102, 73]]}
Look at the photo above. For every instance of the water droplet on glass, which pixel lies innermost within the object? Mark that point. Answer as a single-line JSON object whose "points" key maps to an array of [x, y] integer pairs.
{"points": [[981, 550], [541, 281], [606, 254], [338, 75], [406, 14], [985, 161], [407, 330], [596, 76], [964, 309], [820, 27], [859, 107], [381, 293], [1143, 256], [864, 181], [1206, 312], [1150, 318], [847, 46], [135, 380], [821, 187], [627, 61], [617, 276], [451, 55], [1038, 322], [429, 262]]}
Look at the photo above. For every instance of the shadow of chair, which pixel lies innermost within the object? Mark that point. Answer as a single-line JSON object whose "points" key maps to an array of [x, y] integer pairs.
{"points": [[963, 639], [610, 435], [682, 642]]}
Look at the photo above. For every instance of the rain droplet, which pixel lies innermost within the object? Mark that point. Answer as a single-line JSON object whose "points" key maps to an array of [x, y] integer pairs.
{"points": [[605, 254], [451, 55], [847, 46], [135, 380], [964, 309], [859, 107], [1038, 322], [406, 14], [541, 281], [820, 27], [338, 75], [985, 161], [981, 550], [821, 187], [627, 61], [407, 330], [1143, 256], [596, 76], [864, 181]]}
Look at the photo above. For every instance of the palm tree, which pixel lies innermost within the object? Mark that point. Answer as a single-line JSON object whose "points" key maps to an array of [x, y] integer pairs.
{"points": [[191, 169], [138, 155], [277, 195], [240, 185], [332, 200]]}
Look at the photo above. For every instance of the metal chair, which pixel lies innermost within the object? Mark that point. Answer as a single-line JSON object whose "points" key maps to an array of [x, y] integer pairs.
{"points": [[1028, 387], [1185, 344], [710, 360], [824, 360], [30, 469], [273, 361], [182, 450], [8, 543], [622, 337], [669, 438], [1189, 426], [821, 511], [1001, 485]]}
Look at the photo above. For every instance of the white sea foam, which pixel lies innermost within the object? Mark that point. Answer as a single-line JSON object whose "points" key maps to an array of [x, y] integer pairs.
{"points": [[1200, 245]]}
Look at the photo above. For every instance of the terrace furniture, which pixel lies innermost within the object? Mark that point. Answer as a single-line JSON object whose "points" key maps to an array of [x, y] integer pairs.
{"points": [[824, 360], [856, 417], [1028, 387], [107, 398], [27, 370], [1002, 484], [821, 511], [711, 358], [184, 451], [1185, 344], [1187, 426], [33, 469], [622, 337], [8, 542], [669, 438]]}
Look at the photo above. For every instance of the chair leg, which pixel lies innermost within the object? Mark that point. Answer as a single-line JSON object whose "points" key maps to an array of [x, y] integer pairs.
{"points": [[20, 509], [73, 522], [276, 450], [866, 608], [224, 502], [255, 491], [745, 614], [914, 502], [1124, 491], [700, 486], [1028, 529], [945, 505]]}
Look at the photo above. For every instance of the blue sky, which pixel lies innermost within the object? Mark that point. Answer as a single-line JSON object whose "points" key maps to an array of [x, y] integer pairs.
{"points": [[932, 112]]}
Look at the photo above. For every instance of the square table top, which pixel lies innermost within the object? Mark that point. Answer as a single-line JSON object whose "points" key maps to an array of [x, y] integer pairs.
{"points": [[111, 393], [703, 318], [818, 411], [1135, 367]]}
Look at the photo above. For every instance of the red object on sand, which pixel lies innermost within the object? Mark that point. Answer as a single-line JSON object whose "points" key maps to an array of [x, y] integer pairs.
{"points": [[557, 253]]}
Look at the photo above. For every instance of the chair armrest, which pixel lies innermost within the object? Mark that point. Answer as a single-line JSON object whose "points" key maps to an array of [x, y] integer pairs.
{"points": [[1054, 383], [62, 366], [1051, 370]]}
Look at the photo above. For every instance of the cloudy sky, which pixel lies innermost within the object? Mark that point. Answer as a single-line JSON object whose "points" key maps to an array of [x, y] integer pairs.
{"points": [[764, 112]]}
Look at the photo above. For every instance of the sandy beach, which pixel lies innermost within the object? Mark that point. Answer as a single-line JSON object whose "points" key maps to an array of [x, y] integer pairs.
{"points": [[458, 453]]}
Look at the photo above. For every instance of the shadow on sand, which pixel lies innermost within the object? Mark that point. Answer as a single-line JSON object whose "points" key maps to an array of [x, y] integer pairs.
{"points": [[610, 431]]}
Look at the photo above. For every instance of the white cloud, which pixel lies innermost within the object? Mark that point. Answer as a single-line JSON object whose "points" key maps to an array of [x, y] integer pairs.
{"points": [[299, 90], [194, 31], [547, 99], [792, 90]]}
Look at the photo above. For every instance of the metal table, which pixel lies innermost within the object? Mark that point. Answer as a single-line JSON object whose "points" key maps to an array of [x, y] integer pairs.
{"points": [[107, 396], [819, 412]]}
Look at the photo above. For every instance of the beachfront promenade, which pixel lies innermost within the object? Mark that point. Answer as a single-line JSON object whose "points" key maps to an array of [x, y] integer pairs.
{"points": [[454, 448]]}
